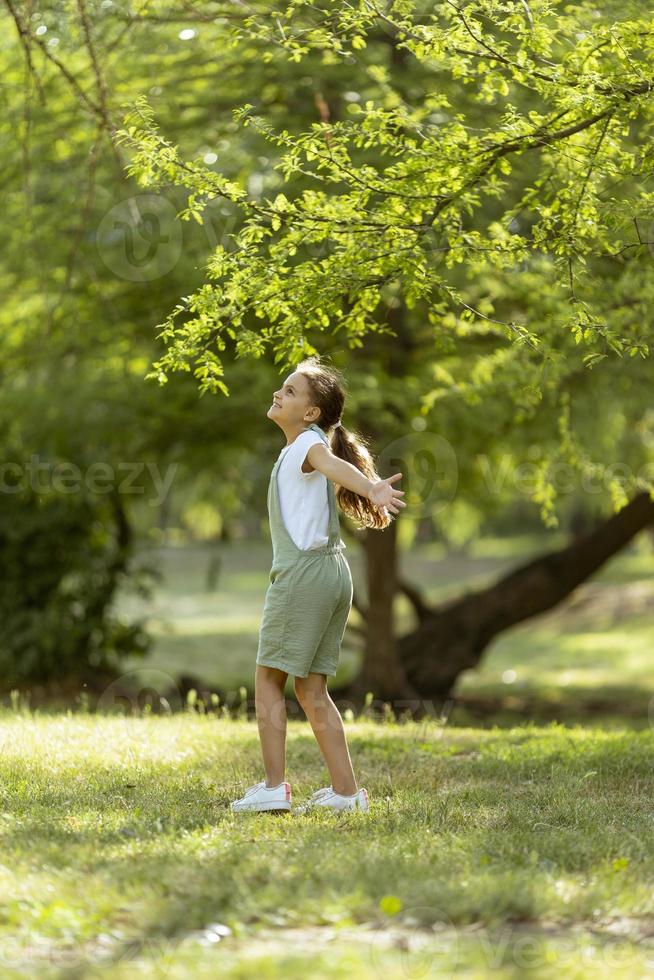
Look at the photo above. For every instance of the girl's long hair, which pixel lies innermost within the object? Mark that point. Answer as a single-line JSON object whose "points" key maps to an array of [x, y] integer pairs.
{"points": [[328, 394]]}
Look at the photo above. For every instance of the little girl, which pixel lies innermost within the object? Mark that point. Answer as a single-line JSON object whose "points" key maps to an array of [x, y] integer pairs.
{"points": [[309, 596]]}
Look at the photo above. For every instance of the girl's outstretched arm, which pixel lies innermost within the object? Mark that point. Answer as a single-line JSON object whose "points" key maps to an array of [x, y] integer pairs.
{"points": [[379, 492]]}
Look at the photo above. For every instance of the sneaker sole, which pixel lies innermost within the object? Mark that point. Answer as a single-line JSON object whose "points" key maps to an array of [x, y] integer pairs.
{"points": [[334, 809], [283, 807]]}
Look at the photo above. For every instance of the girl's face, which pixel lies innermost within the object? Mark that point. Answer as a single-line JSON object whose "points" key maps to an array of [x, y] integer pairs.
{"points": [[291, 402]]}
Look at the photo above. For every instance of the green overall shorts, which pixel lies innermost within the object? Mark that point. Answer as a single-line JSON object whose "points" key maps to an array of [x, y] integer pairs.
{"points": [[309, 597]]}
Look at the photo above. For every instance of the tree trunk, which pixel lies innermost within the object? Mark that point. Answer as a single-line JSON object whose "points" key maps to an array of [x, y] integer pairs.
{"points": [[453, 637], [382, 671]]}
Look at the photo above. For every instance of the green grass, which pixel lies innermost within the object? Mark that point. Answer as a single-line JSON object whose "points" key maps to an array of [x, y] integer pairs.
{"points": [[503, 852], [502, 845]]}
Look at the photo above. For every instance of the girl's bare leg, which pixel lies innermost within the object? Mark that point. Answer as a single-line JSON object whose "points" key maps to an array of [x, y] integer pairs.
{"points": [[270, 706], [327, 725]]}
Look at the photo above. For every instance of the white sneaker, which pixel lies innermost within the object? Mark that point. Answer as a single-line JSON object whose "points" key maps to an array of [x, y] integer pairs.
{"points": [[261, 797], [303, 807], [330, 800]]}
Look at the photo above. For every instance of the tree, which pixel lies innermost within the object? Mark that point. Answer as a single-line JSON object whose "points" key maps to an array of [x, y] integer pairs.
{"points": [[497, 207], [465, 217], [76, 338]]}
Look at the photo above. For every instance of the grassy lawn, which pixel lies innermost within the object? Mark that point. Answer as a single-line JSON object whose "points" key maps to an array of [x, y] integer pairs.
{"points": [[509, 846], [503, 852]]}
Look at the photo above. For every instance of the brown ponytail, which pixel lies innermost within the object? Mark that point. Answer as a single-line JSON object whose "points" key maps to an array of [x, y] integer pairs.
{"points": [[328, 394]]}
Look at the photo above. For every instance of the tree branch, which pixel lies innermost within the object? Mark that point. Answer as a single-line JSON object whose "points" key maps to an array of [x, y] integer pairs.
{"points": [[422, 610]]}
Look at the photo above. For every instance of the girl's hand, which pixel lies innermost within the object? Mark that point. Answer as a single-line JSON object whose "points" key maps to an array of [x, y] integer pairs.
{"points": [[385, 496]]}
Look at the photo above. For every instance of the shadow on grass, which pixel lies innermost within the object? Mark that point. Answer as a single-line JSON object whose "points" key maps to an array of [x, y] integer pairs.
{"points": [[612, 706], [508, 812]]}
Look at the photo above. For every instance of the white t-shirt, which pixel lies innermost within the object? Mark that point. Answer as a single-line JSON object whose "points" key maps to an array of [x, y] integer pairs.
{"points": [[303, 497]]}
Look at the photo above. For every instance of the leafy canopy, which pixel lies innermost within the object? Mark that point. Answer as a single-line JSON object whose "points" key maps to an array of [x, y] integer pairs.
{"points": [[527, 152]]}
